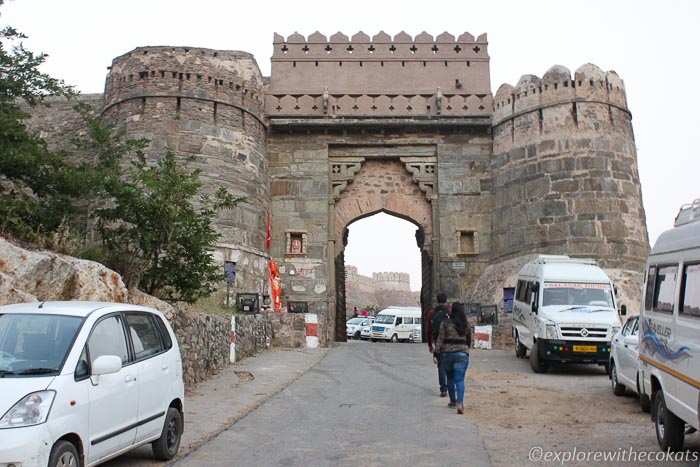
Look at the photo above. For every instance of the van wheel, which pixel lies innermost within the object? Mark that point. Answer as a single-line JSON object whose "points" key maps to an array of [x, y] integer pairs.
{"points": [[165, 447], [394, 338], [644, 401], [536, 363], [64, 454], [669, 428], [520, 349], [618, 389]]}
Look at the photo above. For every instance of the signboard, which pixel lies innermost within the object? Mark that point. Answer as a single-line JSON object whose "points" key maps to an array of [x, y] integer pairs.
{"points": [[230, 271], [459, 265]]}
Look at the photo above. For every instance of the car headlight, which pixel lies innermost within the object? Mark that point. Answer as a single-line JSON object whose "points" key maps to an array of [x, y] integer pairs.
{"points": [[551, 331], [33, 409]]}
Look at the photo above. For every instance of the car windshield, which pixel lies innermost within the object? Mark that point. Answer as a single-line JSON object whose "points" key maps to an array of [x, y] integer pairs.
{"points": [[355, 321], [32, 344], [577, 294], [384, 319]]}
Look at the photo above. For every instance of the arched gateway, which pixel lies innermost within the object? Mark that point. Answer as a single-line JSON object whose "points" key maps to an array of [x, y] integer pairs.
{"points": [[346, 127]]}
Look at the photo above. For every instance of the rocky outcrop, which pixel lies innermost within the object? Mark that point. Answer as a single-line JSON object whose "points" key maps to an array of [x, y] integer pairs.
{"points": [[31, 276]]}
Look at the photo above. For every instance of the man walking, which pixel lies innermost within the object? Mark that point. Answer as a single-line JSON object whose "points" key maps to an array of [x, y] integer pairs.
{"points": [[432, 328]]}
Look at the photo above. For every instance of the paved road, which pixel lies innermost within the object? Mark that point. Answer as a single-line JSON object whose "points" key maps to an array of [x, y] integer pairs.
{"points": [[363, 404]]}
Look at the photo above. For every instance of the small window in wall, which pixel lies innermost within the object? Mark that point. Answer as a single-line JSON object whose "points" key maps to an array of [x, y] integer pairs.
{"points": [[468, 242], [296, 243]]}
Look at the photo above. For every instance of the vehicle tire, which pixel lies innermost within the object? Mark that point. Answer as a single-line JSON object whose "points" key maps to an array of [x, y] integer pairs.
{"points": [[394, 338], [357, 335], [669, 428], [64, 454], [372, 340], [536, 363], [520, 349], [617, 388], [644, 401], [165, 447]]}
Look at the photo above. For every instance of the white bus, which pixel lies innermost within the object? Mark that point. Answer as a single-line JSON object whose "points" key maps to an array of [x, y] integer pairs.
{"points": [[669, 350], [564, 310], [396, 323]]}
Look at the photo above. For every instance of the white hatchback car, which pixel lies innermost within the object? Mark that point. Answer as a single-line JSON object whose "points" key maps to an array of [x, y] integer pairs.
{"points": [[83, 382], [624, 361], [354, 326]]}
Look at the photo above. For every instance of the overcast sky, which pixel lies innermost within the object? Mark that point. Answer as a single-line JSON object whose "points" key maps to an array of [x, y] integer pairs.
{"points": [[652, 45]]}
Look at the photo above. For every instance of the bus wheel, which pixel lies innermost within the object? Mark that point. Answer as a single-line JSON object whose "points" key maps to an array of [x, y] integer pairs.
{"points": [[669, 428], [536, 363]]}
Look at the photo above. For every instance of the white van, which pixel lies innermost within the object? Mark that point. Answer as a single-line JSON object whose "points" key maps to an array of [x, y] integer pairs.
{"points": [[396, 323], [669, 350], [564, 310]]}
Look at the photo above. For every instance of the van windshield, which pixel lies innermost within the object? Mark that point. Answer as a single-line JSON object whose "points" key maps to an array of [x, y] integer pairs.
{"points": [[384, 319], [32, 344], [578, 294]]}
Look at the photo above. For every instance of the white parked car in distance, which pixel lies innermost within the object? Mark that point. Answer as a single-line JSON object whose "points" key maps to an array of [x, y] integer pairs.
{"points": [[354, 326], [83, 382], [624, 361]]}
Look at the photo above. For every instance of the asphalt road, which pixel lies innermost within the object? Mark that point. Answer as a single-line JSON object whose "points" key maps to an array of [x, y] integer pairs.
{"points": [[365, 403]]}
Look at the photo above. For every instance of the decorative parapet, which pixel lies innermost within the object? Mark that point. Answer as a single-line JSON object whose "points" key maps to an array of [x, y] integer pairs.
{"points": [[556, 87], [379, 77]]}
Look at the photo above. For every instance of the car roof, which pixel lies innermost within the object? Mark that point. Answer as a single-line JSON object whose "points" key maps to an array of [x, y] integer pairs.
{"points": [[70, 308]]}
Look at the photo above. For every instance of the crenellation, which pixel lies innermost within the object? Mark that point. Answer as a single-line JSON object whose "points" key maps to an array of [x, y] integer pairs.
{"points": [[349, 126]]}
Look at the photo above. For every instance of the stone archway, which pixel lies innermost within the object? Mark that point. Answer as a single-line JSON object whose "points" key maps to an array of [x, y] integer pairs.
{"points": [[399, 186]]}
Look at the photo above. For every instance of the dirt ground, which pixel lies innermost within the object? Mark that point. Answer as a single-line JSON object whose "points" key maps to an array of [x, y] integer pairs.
{"points": [[562, 417]]}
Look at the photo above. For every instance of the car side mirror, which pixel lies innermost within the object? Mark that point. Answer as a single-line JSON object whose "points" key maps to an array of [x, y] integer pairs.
{"points": [[631, 340], [104, 365], [623, 310]]}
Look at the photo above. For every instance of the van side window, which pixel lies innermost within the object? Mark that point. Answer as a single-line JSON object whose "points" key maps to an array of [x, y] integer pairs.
{"points": [[665, 289], [690, 291], [408, 320], [528, 293], [649, 295], [520, 293]]}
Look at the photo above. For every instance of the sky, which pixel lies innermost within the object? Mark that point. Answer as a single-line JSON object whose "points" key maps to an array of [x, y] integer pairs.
{"points": [[652, 46]]}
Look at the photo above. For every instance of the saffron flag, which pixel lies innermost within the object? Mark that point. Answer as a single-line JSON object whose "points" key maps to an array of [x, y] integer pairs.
{"points": [[268, 238]]}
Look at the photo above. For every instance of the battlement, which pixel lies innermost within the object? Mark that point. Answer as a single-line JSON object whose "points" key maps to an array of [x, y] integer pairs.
{"points": [[380, 76], [223, 77], [556, 87]]}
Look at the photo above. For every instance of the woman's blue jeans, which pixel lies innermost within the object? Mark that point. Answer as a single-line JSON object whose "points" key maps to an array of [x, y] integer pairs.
{"points": [[455, 364]]}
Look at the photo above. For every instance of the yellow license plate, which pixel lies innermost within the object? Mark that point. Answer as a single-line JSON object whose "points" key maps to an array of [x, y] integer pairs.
{"points": [[585, 348]]}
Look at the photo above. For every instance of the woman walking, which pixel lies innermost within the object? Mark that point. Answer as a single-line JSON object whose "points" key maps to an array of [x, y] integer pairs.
{"points": [[453, 345]]}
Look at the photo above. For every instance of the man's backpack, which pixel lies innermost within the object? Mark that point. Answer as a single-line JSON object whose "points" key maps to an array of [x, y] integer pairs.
{"points": [[439, 315]]}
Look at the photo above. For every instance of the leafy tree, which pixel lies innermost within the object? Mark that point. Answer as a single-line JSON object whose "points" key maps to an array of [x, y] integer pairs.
{"points": [[37, 186], [167, 240]]}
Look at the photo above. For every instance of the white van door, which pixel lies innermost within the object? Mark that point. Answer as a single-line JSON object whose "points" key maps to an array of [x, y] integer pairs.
{"points": [[686, 342]]}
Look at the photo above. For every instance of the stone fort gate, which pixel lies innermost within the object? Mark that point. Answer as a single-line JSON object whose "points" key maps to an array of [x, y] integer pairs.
{"points": [[348, 127], [373, 122]]}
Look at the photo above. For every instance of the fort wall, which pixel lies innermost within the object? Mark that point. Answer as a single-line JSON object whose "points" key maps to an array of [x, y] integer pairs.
{"points": [[205, 104], [379, 76], [565, 177]]}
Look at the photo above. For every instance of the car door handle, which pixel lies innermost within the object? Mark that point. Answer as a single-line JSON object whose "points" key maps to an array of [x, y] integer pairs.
{"points": [[165, 367], [129, 378]]}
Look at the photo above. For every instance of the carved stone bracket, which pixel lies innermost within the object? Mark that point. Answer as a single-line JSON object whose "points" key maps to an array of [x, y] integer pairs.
{"points": [[422, 170], [342, 172]]}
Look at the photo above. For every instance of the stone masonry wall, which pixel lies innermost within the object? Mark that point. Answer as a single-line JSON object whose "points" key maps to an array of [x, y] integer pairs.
{"points": [[204, 104], [565, 176]]}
